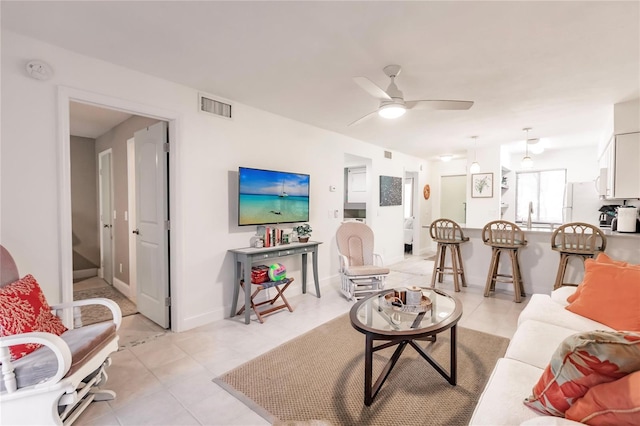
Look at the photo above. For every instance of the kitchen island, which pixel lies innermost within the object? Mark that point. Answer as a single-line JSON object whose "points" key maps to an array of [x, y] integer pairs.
{"points": [[538, 262]]}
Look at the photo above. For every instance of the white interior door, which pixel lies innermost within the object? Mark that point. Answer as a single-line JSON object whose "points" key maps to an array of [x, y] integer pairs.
{"points": [[106, 216], [152, 249], [453, 198]]}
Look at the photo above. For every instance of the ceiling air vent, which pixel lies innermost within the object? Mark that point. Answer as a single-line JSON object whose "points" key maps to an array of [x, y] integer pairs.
{"points": [[211, 106], [387, 154]]}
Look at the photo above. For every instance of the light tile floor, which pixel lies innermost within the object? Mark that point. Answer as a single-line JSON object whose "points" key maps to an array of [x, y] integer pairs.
{"points": [[164, 378]]}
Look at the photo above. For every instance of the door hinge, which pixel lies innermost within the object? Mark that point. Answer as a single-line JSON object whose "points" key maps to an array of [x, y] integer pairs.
{"points": [[165, 147], [167, 225], [167, 301]]}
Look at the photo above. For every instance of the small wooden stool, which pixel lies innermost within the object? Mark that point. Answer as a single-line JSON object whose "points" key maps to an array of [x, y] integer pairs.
{"points": [[448, 234], [280, 287], [504, 236], [576, 239]]}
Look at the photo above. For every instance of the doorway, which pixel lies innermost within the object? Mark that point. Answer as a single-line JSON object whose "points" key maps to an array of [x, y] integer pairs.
{"points": [[113, 222], [453, 198]]}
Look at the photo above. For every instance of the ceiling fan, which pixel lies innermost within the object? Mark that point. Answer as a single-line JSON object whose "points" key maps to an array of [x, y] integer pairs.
{"points": [[392, 103]]}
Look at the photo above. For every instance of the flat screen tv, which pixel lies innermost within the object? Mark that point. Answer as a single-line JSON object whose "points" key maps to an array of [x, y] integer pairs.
{"points": [[272, 197]]}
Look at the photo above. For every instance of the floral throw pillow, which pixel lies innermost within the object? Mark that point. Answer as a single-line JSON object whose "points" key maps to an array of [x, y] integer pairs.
{"points": [[23, 308], [582, 361]]}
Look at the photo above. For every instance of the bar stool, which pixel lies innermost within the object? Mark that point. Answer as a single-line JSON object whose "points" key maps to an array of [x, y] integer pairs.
{"points": [[504, 236], [577, 239], [448, 234]]}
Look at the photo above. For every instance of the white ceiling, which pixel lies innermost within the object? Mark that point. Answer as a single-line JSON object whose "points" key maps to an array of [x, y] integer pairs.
{"points": [[557, 67]]}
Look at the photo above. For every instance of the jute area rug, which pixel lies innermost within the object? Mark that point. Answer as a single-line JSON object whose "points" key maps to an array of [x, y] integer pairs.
{"points": [[98, 313], [320, 376]]}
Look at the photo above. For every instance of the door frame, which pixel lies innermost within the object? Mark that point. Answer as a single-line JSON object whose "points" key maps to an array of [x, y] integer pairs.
{"points": [[101, 154], [69, 94], [131, 195]]}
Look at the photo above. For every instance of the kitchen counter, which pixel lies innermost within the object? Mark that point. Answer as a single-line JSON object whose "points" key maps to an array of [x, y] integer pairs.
{"points": [[538, 262]]}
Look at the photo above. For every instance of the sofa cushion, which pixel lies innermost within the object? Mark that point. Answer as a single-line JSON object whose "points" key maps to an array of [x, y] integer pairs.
{"points": [[582, 361], [535, 342], [501, 399], [23, 308], [542, 308], [561, 295], [614, 403], [609, 294], [83, 342]]}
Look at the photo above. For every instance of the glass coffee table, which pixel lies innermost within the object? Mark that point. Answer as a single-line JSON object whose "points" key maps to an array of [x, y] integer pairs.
{"points": [[378, 319]]}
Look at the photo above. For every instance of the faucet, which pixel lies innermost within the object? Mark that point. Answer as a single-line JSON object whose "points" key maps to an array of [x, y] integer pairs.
{"points": [[529, 215]]}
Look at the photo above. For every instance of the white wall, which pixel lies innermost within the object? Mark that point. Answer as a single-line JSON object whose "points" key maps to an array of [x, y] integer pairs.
{"points": [[209, 151]]}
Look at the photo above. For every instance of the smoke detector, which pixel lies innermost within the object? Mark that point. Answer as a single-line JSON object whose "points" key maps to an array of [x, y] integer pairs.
{"points": [[39, 70]]}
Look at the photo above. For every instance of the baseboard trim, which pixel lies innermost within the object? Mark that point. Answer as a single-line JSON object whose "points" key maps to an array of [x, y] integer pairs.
{"points": [[122, 287], [85, 273]]}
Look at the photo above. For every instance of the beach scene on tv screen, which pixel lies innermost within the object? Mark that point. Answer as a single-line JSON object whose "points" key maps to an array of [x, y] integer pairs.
{"points": [[272, 197]]}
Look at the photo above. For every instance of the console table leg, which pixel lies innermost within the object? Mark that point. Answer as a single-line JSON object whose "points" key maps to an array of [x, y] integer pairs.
{"points": [[315, 271], [304, 273], [236, 288], [247, 291]]}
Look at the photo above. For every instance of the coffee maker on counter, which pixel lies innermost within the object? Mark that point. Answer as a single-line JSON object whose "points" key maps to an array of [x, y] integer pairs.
{"points": [[607, 215], [626, 220]]}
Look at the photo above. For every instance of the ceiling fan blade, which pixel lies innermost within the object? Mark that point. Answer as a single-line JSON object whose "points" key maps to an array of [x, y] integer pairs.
{"points": [[361, 119], [371, 88], [439, 105]]}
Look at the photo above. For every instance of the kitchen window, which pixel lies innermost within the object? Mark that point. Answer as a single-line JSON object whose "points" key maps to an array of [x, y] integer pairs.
{"points": [[544, 189]]}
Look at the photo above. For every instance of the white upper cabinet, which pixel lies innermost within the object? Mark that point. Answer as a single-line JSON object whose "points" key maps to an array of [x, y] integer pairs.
{"points": [[626, 182]]}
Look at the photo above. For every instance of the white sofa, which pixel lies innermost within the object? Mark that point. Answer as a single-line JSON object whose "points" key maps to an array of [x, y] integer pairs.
{"points": [[542, 326]]}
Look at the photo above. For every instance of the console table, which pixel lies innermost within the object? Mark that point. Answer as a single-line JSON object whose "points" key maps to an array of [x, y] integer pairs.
{"points": [[245, 257]]}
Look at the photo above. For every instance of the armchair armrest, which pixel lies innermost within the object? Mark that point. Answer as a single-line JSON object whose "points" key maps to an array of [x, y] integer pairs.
{"points": [[58, 346], [344, 262], [113, 307], [378, 260]]}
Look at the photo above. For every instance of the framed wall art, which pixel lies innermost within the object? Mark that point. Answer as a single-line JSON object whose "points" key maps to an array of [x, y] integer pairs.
{"points": [[390, 191], [482, 185]]}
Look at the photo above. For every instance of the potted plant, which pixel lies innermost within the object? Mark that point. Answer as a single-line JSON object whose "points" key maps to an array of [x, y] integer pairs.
{"points": [[303, 231]]}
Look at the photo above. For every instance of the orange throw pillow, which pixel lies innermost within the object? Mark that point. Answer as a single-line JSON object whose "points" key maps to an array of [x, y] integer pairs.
{"points": [[614, 403], [601, 258], [23, 308], [610, 294]]}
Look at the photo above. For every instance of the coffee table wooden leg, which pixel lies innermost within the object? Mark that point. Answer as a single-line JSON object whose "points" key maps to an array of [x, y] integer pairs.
{"points": [[454, 356], [368, 370], [370, 391]]}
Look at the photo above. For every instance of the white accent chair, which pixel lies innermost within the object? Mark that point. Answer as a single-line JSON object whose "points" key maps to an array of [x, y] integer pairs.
{"points": [[54, 384], [362, 271]]}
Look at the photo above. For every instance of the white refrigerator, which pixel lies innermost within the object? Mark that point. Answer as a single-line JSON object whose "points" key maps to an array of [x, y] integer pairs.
{"points": [[581, 203]]}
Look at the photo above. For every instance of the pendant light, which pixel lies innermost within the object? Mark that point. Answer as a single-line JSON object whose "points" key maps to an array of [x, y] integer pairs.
{"points": [[527, 162], [475, 167]]}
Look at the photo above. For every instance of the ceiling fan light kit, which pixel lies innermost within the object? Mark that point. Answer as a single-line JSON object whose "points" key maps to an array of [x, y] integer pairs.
{"points": [[391, 111], [392, 103]]}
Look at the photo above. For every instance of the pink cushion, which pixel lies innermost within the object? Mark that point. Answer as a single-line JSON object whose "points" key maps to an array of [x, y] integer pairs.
{"points": [[23, 308]]}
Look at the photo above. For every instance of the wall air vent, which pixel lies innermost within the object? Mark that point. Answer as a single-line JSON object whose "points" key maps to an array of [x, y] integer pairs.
{"points": [[212, 106], [387, 154]]}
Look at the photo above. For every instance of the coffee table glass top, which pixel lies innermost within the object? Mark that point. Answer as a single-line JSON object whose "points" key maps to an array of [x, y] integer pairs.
{"points": [[377, 314]]}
